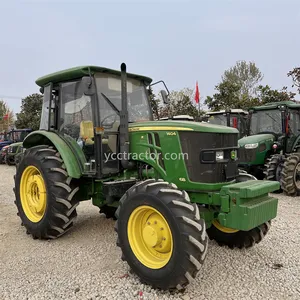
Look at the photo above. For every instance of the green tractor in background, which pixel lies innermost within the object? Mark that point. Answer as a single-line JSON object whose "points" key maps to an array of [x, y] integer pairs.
{"points": [[272, 149], [236, 118], [168, 183]]}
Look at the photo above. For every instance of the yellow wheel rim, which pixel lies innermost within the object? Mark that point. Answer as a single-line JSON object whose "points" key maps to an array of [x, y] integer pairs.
{"points": [[223, 228], [150, 237], [33, 194]]}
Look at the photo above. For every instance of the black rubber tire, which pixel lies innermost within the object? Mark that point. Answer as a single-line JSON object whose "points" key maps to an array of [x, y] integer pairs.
{"points": [[273, 168], [108, 211], [61, 193], [240, 239], [8, 161], [288, 181], [188, 232]]}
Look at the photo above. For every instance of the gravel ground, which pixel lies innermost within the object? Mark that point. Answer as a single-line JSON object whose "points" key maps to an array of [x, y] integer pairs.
{"points": [[86, 264]]}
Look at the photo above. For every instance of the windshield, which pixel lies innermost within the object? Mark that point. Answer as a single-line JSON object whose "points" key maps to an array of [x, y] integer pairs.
{"points": [[109, 89], [266, 121], [218, 119]]}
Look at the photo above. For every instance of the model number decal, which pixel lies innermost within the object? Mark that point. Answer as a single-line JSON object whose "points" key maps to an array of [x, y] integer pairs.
{"points": [[171, 133]]}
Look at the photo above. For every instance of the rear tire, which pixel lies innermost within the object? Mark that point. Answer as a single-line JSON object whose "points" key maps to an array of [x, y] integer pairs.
{"points": [[290, 175], [178, 264], [237, 239], [45, 195]]}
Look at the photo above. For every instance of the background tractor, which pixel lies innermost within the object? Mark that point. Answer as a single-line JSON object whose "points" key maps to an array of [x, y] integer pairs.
{"points": [[14, 136], [272, 150], [236, 118], [12, 153], [164, 181]]}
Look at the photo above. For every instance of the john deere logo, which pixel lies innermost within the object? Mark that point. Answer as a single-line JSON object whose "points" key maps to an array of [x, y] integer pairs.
{"points": [[233, 155]]}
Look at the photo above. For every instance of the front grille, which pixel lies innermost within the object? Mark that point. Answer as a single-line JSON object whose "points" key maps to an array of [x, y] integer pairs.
{"points": [[194, 143], [246, 155]]}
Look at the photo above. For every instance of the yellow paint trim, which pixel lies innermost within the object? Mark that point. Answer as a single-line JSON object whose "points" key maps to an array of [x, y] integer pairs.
{"points": [[150, 237], [223, 228], [159, 128]]}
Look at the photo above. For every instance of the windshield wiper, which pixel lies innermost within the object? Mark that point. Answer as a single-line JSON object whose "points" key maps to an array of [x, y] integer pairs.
{"points": [[111, 104]]}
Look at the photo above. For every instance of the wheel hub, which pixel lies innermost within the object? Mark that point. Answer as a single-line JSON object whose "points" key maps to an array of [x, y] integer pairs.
{"points": [[33, 194], [150, 237]]}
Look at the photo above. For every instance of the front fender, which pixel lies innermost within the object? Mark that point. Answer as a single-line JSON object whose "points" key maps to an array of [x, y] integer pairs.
{"points": [[69, 150]]}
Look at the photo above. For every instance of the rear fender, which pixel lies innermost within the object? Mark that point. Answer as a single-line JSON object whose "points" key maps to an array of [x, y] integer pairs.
{"points": [[69, 150]]}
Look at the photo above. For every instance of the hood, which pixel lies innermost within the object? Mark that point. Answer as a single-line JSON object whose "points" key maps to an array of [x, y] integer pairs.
{"points": [[171, 125], [258, 138]]}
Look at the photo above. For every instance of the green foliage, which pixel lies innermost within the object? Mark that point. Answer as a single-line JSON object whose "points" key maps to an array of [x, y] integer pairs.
{"points": [[227, 96], [295, 74], [30, 114], [266, 95], [239, 89], [246, 75], [181, 103], [4, 110]]}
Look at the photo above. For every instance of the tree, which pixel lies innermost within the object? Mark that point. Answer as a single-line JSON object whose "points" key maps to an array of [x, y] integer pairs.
{"points": [[6, 116], [227, 96], [295, 74], [246, 75], [30, 114], [181, 103], [266, 95]]}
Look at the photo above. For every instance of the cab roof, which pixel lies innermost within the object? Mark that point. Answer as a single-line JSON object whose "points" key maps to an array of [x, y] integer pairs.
{"points": [[274, 105], [234, 111], [78, 72]]}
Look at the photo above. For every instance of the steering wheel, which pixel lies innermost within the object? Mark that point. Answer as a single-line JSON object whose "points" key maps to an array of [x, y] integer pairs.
{"points": [[109, 125]]}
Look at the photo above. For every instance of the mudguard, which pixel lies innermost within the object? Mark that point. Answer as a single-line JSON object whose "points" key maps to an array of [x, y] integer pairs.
{"points": [[69, 150]]}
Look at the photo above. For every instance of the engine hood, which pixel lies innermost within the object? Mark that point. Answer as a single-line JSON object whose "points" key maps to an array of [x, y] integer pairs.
{"points": [[171, 125], [258, 138]]}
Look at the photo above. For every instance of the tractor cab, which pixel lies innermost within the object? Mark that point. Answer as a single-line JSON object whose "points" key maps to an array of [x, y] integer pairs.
{"points": [[273, 129], [236, 118]]}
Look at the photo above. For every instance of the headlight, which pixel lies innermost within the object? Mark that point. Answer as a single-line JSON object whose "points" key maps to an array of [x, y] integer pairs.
{"points": [[9, 149], [251, 146], [219, 155]]}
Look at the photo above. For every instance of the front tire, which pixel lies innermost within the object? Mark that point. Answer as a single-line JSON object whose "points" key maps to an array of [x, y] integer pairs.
{"points": [[290, 175], [236, 238], [45, 195], [161, 235], [273, 169]]}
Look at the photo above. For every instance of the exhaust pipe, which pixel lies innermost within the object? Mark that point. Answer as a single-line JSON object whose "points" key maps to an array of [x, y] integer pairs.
{"points": [[124, 134]]}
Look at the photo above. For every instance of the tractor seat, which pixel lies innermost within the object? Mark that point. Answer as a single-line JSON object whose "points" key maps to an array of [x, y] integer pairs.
{"points": [[87, 133]]}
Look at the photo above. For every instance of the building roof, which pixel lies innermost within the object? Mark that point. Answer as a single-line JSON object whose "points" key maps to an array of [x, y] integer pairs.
{"points": [[78, 72]]}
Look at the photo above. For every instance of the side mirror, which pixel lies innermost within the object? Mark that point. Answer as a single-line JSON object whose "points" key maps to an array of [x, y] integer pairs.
{"points": [[164, 96], [88, 86]]}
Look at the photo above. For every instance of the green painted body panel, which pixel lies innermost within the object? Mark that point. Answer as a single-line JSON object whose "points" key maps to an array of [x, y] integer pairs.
{"points": [[194, 126], [73, 161], [80, 71], [250, 204], [19, 144], [260, 157]]}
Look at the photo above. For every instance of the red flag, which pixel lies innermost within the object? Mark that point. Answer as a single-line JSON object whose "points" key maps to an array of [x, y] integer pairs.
{"points": [[197, 95], [5, 117]]}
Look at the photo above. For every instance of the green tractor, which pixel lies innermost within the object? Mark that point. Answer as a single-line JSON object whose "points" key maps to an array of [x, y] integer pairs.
{"points": [[272, 150], [236, 118], [168, 183]]}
